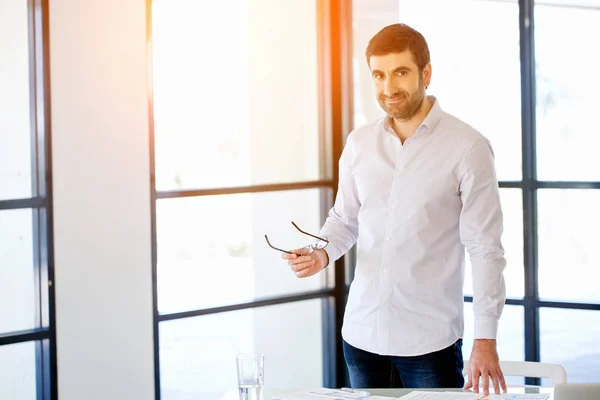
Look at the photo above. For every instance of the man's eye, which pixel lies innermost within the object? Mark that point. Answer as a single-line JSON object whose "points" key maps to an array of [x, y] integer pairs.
{"points": [[401, 73], [378, 76]]}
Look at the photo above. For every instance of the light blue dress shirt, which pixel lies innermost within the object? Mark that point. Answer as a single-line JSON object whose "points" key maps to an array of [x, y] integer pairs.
{"points": [[413, 207]]}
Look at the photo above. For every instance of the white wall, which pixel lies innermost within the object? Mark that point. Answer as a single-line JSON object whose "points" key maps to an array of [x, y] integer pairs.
{"points": [[101, 199]]}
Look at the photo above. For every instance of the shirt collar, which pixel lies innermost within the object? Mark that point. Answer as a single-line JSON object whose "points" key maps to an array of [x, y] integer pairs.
{"points": [[434, 115]]}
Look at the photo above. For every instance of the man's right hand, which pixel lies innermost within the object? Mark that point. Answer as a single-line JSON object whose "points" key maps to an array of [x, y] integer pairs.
{"points": [[306, 265]]}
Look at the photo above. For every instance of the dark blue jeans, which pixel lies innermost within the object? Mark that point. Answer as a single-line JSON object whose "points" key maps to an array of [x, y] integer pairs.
{"points": [[440, 369]]}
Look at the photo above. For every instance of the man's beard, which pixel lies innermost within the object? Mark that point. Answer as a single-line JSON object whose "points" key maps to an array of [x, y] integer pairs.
{"points": [[407, 109]]}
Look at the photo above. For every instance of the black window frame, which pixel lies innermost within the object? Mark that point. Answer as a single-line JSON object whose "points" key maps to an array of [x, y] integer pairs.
{"points": [[40, 204], [335, 119], [530, 186]]}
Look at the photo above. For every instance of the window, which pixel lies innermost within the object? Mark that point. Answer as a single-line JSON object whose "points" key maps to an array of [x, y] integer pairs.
{"points": [[243, 145], [19, 378], [566, 189], [574, 348], [224, 255], [250, 107], [27, 346], [197, 353], [15, 100], [565, 112], [229, 99], [540, 122], [467, 78], [569, 256]]}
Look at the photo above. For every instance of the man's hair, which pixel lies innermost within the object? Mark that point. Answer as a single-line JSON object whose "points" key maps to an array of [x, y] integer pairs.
{"points": [[395, 39]]}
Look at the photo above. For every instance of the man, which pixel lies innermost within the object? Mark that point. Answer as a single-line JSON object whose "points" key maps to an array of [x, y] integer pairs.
{"points": [[415, 188]]}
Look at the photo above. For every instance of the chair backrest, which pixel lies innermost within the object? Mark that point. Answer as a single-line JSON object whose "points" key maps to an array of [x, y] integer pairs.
{"points": [[555, 372], [577, 391]]}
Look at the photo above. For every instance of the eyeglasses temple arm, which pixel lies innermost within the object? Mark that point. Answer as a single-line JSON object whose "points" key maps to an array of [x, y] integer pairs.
{"points": [[309, 234], [277, 248]]}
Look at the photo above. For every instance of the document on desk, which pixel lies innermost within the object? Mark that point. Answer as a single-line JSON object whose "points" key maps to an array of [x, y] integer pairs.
{"points": [[518, 396], [331, 394], [424, 395], [513, 396]]}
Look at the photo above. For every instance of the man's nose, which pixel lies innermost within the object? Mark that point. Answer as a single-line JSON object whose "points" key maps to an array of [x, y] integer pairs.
{"points": [[389, 89]]}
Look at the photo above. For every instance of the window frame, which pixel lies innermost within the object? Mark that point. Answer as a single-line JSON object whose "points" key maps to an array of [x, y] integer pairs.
{"points": [[336, 116], [40, 204], [334, 27]]}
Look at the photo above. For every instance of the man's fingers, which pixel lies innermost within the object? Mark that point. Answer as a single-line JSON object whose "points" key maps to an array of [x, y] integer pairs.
{"points": [[295, 253], [306, 272], [502, 381], [300, 260], [495, 381], [475, 381], [288, 256], [469, 383], [485, 377], [302, 265]]}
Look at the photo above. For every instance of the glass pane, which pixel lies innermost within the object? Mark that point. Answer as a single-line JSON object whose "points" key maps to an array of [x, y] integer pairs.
{"points": [[17, 283], [460, 73], [368, 17], [197, 355], [510, 340], [235, 92], [568, 231], [17, 371], [567, 129], [15, 124], [512, 240], [212, 250], [570, 338]]}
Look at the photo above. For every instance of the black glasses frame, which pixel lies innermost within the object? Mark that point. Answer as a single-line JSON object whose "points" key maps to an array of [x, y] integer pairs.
{"points": [[311, 247]]}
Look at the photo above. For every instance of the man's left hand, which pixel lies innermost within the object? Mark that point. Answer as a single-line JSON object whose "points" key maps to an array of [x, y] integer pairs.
{"points": [[484, 364]]}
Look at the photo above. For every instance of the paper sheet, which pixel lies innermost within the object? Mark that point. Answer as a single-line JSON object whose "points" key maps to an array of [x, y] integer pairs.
{"points": [[330, 394], [515, 396], [522, 396], [424, 395], [340, 394]]}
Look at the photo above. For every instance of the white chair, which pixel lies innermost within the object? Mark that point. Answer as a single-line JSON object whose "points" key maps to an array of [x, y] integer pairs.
{"points": [[555, 372]]}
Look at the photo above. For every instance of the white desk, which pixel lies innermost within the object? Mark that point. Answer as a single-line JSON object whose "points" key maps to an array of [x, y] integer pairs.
{"points": [[269, 392], [402, 392]]}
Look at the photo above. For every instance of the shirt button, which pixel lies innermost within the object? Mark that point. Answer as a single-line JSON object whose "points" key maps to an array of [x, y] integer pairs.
{"points": [[392, 205], [387, 238]]}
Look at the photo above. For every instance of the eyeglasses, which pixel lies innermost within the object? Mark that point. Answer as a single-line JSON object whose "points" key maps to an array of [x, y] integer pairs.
{"points": [[323, 242]]}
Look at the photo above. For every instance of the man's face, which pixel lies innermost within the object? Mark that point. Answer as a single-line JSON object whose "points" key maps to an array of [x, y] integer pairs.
{"points": [[399, 85]]}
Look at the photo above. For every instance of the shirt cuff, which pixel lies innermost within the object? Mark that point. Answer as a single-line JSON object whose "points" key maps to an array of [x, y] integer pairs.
{"points": [[486, 328], [333, 254]]}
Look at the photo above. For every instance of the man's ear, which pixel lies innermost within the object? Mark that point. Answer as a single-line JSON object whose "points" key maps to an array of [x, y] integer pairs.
{"points": [[427, 75]]}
